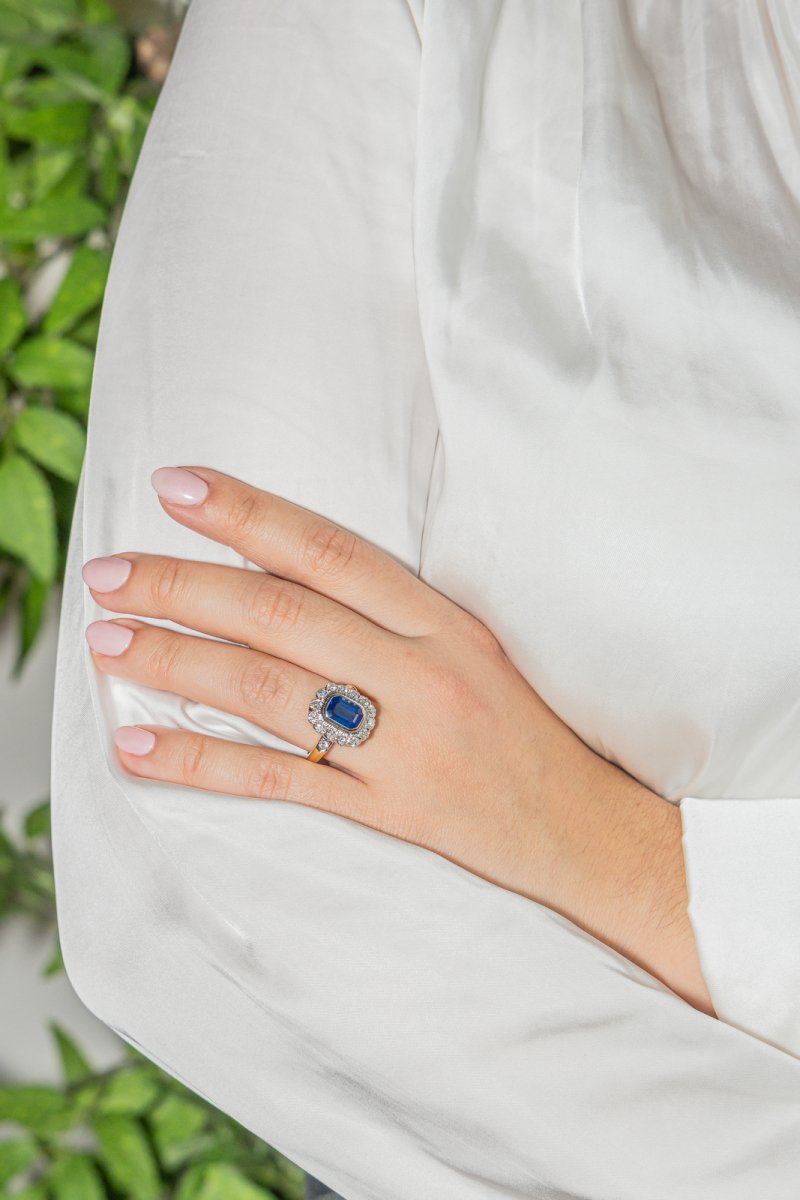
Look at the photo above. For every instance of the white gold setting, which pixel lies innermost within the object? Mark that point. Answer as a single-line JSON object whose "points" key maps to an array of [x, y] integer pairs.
{"points": [[331, 732]]}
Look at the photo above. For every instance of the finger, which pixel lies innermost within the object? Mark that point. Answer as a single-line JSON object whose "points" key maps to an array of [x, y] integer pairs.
{"points": [[268, 691], [212, 764], [290, 540], [251, 607]]}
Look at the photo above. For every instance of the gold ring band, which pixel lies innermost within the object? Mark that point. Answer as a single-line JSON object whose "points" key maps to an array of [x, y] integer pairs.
{"points": [[320, 750]]}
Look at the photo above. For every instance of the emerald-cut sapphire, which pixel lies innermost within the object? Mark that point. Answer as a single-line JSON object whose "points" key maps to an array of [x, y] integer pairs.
{"points": [[343, 712]]}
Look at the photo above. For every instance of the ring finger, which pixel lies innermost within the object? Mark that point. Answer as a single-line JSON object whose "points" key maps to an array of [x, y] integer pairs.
{"points": [[269, 692]]}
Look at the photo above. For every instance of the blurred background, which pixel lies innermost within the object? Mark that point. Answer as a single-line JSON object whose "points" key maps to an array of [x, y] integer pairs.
{"points": [[82, 1115]]}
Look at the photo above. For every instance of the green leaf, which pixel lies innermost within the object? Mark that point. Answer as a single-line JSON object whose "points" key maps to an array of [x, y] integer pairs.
{"points": [[50, 166], [4, 163], [56, 961], [53, 439], [35, 1191], [80, 290], [131, 1091], [19, 180], [50, 362], [56, 216], [127, 1156], [76, 403], [6, 587], [94, 65], [51, 16], [76, 1178], [74, 183], [104, 159], [74, 1064], [27, 516], [41, 1109], [16, 1155], [13, 318], [175, 1123], [14, 26], [37, 822], [111, 56], [37, 90], [34, 611], [86, 332], [99, 12], [127, 120], [50, 125], [219, 1181]]}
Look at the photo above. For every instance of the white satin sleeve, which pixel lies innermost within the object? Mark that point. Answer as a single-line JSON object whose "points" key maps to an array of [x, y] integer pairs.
{"points": [[742, 860], [391, 1022]]}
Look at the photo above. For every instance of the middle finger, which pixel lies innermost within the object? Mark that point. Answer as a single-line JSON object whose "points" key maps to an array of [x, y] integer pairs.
{"points": [[255, 608]]}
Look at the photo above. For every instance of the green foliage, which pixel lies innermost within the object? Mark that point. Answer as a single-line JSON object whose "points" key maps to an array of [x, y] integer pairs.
{"points": [[26, 870], [73, 115], [133, 1131]]}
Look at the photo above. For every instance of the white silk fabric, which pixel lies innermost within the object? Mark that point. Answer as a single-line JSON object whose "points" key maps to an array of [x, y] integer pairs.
{"points": [[510, 288]]}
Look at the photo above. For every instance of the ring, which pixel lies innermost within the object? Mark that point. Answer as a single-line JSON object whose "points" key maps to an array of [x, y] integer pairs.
{"points": [[340, 714]]}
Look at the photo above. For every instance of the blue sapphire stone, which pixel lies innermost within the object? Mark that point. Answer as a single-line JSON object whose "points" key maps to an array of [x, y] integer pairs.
{"points": [[343, 712]]}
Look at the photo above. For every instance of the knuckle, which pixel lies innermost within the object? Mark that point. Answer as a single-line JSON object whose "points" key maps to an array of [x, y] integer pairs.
{"points": [[276, 605], [268, 777], [265, 684], [166, 582], [483, 638], [243, 516], [163, 656], [193, 761], [329, 550]]}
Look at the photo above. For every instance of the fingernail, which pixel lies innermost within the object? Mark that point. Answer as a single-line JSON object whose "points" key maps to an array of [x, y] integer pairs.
{"points": [[106, 637], [177, 486], [134, 740], [106, 574]]}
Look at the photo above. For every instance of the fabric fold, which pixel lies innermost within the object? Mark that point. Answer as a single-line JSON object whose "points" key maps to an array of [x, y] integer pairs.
{"points": [[744, 904]]}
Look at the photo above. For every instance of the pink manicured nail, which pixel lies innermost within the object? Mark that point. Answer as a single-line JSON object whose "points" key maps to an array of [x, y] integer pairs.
{"points": [[134, 740], [106, 574], [177, 486], [106, 637]]}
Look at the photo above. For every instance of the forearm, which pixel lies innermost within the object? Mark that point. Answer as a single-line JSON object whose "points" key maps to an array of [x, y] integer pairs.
{"points": [[617, 870]]}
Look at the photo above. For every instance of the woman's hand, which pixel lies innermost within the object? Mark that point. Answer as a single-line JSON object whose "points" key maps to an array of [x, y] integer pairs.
{"points": [[465, 758]]}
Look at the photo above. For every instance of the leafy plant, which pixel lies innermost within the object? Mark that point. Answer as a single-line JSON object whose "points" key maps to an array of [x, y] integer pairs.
{"points": [[132, 1131], [73, 114], [26, 876]]}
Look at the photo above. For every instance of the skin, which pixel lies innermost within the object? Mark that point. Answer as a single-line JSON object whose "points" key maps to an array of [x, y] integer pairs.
{"points": [[528, 806]]}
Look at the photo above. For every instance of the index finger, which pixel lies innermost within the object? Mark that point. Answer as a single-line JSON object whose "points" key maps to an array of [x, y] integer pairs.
{"points": [[292, 541]]}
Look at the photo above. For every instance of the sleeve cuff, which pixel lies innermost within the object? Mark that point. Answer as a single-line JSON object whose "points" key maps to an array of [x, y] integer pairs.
{"points": [[742, 860]]}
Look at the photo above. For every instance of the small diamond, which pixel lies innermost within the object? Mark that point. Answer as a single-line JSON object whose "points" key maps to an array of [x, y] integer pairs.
{"points": [[324, 744]]}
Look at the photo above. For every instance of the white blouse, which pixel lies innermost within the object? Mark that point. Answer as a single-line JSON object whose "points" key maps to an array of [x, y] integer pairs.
{"points": [[510, 288]]}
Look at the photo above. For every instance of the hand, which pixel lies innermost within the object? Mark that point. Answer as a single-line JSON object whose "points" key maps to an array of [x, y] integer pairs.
{"points": [[465, 759]]}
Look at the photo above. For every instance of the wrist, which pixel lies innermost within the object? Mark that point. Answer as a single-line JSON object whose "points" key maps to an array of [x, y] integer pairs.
{"points": [[616, 869]]}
